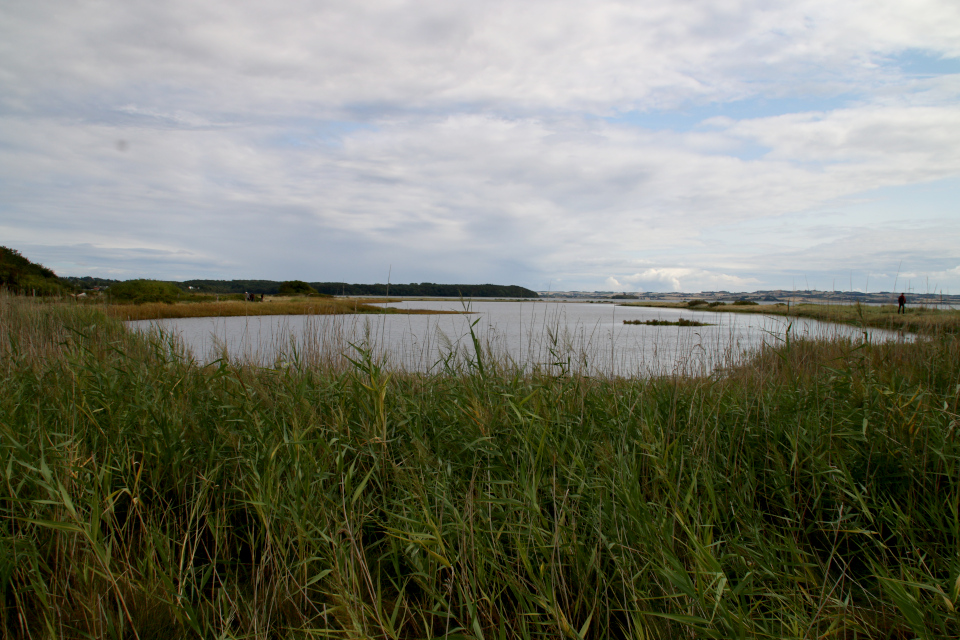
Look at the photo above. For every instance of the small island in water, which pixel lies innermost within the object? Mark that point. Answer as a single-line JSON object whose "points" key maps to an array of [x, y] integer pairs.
{"points": [[682, 322]]}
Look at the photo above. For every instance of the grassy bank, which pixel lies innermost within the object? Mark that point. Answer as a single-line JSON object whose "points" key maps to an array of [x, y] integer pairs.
{"points": [[811, 492], [916, 319], [271, 307]]}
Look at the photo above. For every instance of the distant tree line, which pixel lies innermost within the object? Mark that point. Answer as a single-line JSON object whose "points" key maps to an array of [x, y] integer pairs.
{"points": [[16, 272], [429, 289], [269, 287], [89, 282]]}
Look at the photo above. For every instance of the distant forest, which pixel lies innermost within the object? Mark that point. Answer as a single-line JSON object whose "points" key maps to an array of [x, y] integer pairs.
{"points": [[269, 287], [272, 287], [342, 288], [89, 282], [430, 289]]}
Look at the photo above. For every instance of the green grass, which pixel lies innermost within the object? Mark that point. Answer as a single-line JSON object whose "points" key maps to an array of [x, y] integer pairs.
{"points": [[810, 492]]}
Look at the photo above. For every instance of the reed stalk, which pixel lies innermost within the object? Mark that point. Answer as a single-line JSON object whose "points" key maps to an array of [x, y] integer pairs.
{"points": [[809, 490]]}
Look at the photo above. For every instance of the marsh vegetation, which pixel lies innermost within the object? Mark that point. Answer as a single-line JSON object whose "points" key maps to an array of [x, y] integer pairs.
{"points": [[274, 306], [811, 490], [679, 322]]}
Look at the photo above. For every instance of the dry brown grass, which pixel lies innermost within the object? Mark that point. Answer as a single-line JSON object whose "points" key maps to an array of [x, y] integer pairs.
{"points": [[272, 307]]}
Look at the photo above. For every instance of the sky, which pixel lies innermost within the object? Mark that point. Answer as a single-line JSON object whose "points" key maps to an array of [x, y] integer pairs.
{"points": [[689, 145]]}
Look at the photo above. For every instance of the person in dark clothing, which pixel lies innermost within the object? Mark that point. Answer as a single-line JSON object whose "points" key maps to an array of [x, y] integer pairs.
{"points": [[902, 304]]}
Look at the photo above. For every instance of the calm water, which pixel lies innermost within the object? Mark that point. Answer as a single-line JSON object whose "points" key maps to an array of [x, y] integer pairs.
{"points": [[587, 337]]}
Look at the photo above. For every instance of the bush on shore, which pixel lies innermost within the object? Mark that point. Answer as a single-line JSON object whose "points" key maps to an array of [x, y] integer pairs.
{"points": [[140, 291], [295, 288]]}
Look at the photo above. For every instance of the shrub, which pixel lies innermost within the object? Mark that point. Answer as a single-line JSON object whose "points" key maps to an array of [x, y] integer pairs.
{"points": [[716, 303], [744, 303], [295, 288], [139, 291], [699, 302]]}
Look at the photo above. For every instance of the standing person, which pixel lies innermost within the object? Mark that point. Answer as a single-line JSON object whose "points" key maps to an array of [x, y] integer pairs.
{"points": [[902, 304]]}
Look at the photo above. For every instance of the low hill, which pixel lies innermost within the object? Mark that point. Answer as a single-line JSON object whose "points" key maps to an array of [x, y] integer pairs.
{"points": [[426, 289], [19, 275]]}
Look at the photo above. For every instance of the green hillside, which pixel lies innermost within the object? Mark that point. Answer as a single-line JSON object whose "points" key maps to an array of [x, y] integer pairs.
{"points": [[19, 275]]}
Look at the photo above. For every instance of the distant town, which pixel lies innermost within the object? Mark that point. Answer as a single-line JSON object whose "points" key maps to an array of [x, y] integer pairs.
{"points": [[762, 297]]}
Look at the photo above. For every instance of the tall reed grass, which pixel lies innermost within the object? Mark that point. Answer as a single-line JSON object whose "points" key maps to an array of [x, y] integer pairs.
{"points": [[810, 491], [232, 308]]}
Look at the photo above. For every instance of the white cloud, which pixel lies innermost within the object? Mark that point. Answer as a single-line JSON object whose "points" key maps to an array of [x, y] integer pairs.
{"points": [[554, 192], [681, 279], [470, 141], [298, 55]]}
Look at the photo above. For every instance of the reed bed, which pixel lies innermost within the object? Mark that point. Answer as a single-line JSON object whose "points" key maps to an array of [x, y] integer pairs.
{"points": [[232, 308], [809, 491]]}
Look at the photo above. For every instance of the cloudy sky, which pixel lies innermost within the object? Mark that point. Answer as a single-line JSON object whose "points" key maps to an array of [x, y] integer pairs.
{"points": [[643, 145]]}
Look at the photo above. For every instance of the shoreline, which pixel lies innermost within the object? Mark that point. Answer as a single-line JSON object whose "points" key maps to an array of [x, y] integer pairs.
{"points": [[919, 320]]}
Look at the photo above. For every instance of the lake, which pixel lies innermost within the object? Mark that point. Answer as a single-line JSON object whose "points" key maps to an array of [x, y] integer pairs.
{"points": [[586, 337]]}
